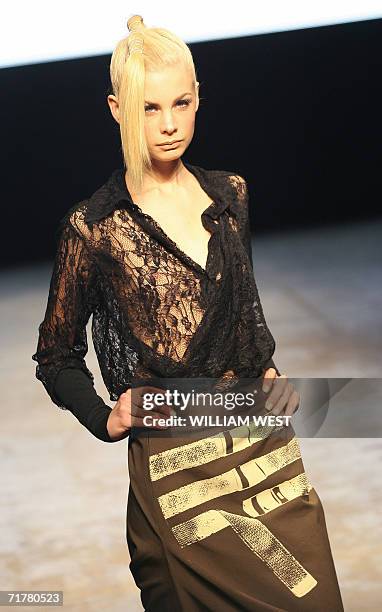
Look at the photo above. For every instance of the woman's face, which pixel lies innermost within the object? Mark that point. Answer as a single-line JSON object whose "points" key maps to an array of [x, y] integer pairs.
{"points": [[170, 109]]}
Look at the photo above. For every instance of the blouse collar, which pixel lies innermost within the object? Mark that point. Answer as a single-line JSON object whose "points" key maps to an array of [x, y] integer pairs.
{"points": [[114, 193]]}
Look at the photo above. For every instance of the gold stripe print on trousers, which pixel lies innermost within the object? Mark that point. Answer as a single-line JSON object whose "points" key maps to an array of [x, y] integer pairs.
{"points": [[248, 527]]}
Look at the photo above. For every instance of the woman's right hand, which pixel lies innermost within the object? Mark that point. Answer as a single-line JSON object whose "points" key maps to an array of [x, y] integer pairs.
{"points": [[129, 412]]}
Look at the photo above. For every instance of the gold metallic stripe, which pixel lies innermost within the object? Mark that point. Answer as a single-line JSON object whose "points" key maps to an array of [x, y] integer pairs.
{"points": [[199, 527], [211, 521], [272, 498], [264, 544], [208, 449], [256, 470], [259, 539]]}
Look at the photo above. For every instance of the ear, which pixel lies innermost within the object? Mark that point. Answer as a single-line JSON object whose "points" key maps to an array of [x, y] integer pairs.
{"points": [[114, 106], [197, 96]]}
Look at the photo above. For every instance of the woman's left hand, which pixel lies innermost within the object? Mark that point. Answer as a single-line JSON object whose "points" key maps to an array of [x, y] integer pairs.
{"points": [[283, 397]]}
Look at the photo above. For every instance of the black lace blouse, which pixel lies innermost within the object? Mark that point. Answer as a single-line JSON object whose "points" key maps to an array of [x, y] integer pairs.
{"points": [[155, 311]]}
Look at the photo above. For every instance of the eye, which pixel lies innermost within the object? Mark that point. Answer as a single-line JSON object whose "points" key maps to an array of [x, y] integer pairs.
{"points": [[180, 104], [185, 102]]}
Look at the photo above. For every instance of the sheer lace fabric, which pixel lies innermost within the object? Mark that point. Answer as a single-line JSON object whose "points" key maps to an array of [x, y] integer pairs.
{"points": [[156, 312]]}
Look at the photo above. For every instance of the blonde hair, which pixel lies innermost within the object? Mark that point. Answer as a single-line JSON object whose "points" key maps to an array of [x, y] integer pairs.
{"points": [[143, 49]]}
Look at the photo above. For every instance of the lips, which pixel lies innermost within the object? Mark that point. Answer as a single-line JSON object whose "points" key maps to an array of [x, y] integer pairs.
{"points": [[169, 144]]}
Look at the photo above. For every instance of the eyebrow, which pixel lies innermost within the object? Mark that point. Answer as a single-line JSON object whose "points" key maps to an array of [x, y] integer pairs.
{"points": [[177, 98]]}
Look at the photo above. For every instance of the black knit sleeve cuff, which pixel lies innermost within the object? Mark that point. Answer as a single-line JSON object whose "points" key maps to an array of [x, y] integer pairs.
{"points": [[77, 393]]}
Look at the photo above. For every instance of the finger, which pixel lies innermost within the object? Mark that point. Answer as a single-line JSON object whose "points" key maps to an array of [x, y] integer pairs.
{"points": [[153, 421], [153, 425], [293, 404], [269, 377], [139, 412], [165, 410], [157, 402], [156, 418], [151, 389], [280, 406], [278, 389], [139, 392]]}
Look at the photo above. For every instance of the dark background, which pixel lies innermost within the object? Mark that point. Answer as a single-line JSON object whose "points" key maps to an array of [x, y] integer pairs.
{"points": [[296, 113]]}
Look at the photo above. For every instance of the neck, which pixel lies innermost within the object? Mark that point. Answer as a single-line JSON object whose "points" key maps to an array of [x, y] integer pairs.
{"points": [[162, 174]]}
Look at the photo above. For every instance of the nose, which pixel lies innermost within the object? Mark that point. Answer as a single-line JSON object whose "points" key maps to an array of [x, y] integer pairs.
{"points": [[168, 125]]}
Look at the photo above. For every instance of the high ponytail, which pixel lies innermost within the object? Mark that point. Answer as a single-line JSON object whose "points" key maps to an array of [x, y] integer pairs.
{"points": [[143, 49]]}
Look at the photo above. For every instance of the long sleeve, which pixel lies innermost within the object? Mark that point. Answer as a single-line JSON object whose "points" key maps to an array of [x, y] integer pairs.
{"points": [[245, 233], [62, 342]]}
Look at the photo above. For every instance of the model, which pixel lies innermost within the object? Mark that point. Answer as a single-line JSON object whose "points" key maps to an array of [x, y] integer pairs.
{"points": [[160, 256]]}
